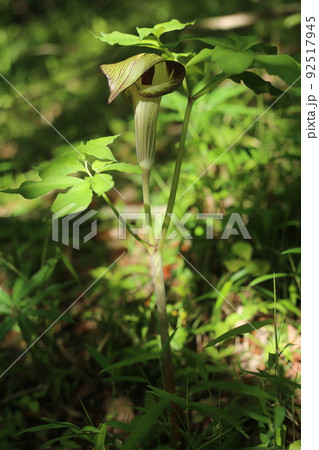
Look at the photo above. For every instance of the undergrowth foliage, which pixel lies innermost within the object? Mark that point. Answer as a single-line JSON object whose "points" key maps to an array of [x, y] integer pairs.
{"points": [[233, 317]]}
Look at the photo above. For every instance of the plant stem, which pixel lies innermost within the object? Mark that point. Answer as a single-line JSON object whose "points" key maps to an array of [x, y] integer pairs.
{"points": [[127, 227], [168, 369], [147, 205], [177, 171], [118, 215], [210, 86], [14, 269]]}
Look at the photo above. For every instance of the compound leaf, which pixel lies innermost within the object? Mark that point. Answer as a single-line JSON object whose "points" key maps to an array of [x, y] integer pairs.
{"points": [[62, 165], [283, 66], [116, 37], [34, 189], [232, 62], [78, 198], [161, 28], [99, 148], [100, 166], [102, 183], [256, 83]]}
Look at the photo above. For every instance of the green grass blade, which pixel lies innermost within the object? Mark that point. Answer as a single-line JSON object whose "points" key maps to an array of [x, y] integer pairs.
{"points": [[130, 361], [233, 386], [100, 437], [270, 276], [143, 425], [247, 328]]}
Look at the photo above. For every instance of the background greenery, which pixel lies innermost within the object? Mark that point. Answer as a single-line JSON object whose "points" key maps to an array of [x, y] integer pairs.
{"points": [[51, 58]]}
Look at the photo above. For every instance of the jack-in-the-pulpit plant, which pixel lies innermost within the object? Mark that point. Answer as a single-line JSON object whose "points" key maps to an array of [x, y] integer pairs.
{"points": [[144, 79]]}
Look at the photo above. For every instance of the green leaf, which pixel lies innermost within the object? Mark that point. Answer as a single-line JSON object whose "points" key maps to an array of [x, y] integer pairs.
{"points": [[247, 328], [60, 166], [214, 41], [199, 363], [91, 428], [232, 62], [269, 277], [264, 48], [295, 446], [284, 382], [119, 425], [236, 42], [144, 32], [101, 166], [116, 37], [257, 417], [130, 361], [234, 386], [212, 412], [47, 426], [67, 441], [80, 195], [20, 290], [143, 424], [69, 266], [243, 250], [233, 265], [244, 42], [101, 183], [256, 83], [272, 360], [99, 148], [43, 274], [169, 397], [99, 358], [161, 28], [5, 298], [6, 326], [283, 66], [26, 327], [207, 410], [292, 250], [203, 55], [34, 189], [279, 416], [100, 437]]}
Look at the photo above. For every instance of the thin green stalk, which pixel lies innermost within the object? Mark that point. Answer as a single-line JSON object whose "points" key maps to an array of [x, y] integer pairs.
{"points": [[275, 324], [127, 227], [294, 270], [14, 269], [118, 215], [163, 324], [185, 86], [177, 171], [212, 85], [147, 205], [159, 181]]}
